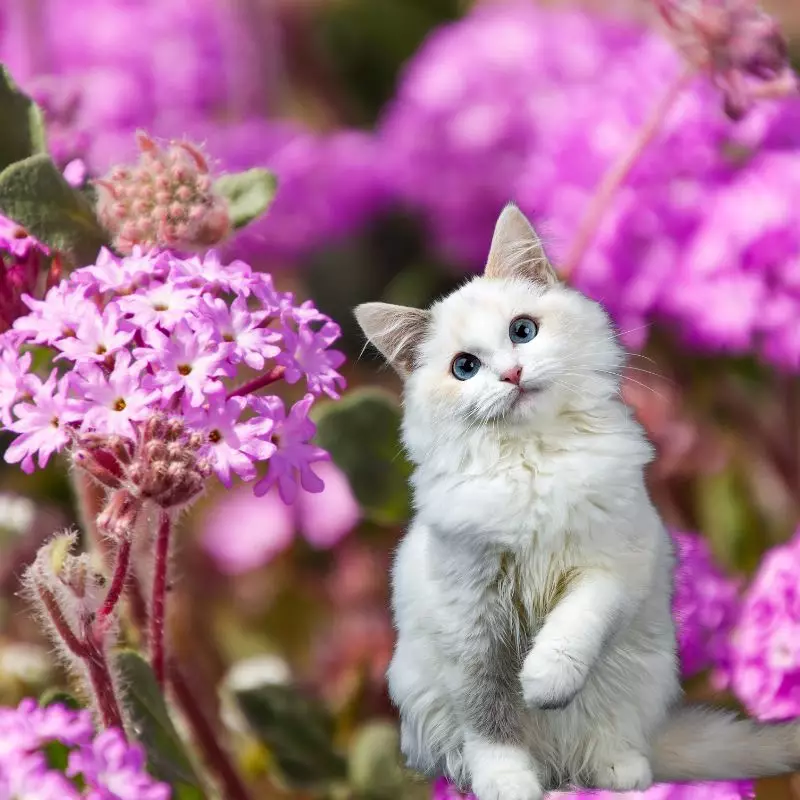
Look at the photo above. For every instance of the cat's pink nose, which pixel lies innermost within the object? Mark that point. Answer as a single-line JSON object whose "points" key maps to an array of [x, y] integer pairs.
{"points": [[513, 375]]}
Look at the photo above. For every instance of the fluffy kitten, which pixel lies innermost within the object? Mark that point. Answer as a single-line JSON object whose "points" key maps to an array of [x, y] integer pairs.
{"points": [[532, 591]]}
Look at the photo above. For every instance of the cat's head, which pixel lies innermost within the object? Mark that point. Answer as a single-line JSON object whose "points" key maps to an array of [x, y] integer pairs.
{"points": [[511, 346]]}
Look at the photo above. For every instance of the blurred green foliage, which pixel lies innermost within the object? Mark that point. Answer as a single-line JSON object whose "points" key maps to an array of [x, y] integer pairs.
{"points": [[368, 42]]}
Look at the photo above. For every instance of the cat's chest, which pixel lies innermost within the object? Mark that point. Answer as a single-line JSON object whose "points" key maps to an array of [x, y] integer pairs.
{"points": [[528, 493]]}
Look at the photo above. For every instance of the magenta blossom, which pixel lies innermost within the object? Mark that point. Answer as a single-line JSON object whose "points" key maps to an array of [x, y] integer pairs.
{"points": [[187, 360], [117, 398], [43, 423], [97, 337], [232, 446], [706, 605], [306, 354], [103, 768], [291, 462], [765, 671], [250, 342], [243, 533]]}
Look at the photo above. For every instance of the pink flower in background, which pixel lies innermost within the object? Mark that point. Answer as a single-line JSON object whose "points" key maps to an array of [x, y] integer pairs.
{"points": [[706, 605], [242, 532], [765, 669], [106, 765]]}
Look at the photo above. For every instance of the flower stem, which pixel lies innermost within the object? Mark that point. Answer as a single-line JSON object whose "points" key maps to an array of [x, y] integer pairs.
{"points": [[62, 627], [217, 759], [102, 684], [618, 173], [158, 604], [275, 374], [214, 755], [118, 581]]}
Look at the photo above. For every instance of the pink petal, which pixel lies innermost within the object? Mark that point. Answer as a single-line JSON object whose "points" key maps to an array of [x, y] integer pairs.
{"points": [[325, 518]]}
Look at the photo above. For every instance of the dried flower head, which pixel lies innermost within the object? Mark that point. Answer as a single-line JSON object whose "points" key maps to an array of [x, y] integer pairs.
{"points": [[167, 200], [737, 43]]}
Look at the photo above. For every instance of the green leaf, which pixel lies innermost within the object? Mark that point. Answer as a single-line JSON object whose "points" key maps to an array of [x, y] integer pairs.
{"points": [[362, 434], [249, 194], [297, 731], [167, 758], [375, 762], [22, 131], [53, 696], [34, 193]]}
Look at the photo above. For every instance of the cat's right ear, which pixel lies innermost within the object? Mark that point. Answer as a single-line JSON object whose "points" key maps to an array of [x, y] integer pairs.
{"points": [[517, 250], [396, 332]]}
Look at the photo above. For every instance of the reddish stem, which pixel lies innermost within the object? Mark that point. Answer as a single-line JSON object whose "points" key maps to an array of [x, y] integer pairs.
{"points": [[65, 632], [158, 604], [275, 374], [102, 683], [118, 581], [216, 757], [619, 171]]}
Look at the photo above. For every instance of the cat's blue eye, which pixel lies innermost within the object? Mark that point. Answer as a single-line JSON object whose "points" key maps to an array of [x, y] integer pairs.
{"points": [[465, 366], [522, 329]]}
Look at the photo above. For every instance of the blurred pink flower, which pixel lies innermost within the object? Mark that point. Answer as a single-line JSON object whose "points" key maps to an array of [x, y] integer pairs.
{"points": [[242, 532]]}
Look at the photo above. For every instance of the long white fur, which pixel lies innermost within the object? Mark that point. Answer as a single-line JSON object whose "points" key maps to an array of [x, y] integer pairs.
{"points": [[543, 493]]}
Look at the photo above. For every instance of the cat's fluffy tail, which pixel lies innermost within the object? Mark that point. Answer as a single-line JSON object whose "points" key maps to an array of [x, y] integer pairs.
{"points": [[698, 743]]}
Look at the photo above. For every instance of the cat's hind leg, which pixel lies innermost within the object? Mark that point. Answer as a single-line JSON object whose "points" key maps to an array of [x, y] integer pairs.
{"points": [[431, 737]]}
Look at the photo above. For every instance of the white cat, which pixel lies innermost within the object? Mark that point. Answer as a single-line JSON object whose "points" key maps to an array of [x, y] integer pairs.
{"points": [[532, 592]]}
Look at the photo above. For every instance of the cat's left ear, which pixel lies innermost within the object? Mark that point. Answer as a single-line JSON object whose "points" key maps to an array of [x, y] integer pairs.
{"points": [[396, 331], [517, 250]]}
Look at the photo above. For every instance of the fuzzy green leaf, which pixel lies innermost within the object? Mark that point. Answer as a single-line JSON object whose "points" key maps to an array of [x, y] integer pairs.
{"points": [[296, 730], [249, 194], [53, 696], [22, 131], [34, 193], [167, 758], [362, 434]]}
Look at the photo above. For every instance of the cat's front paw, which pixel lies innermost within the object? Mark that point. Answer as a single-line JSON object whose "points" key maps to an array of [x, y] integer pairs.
{"points": [[551, 676], [501, 772], [626, 772]]}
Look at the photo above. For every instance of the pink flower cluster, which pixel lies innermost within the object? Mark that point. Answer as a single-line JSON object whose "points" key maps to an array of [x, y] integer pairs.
{"points": [[155, 334], [106, 765]]}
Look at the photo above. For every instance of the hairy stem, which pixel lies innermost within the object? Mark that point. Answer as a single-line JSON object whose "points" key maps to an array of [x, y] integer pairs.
{"points": [[275, 374], [102, 683], [618, 173], [62, 627], [118, 580], [216, 758], [158, 603]]}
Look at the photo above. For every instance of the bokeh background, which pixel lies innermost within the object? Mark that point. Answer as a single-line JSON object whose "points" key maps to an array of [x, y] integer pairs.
{"points": [[398, 129]]}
